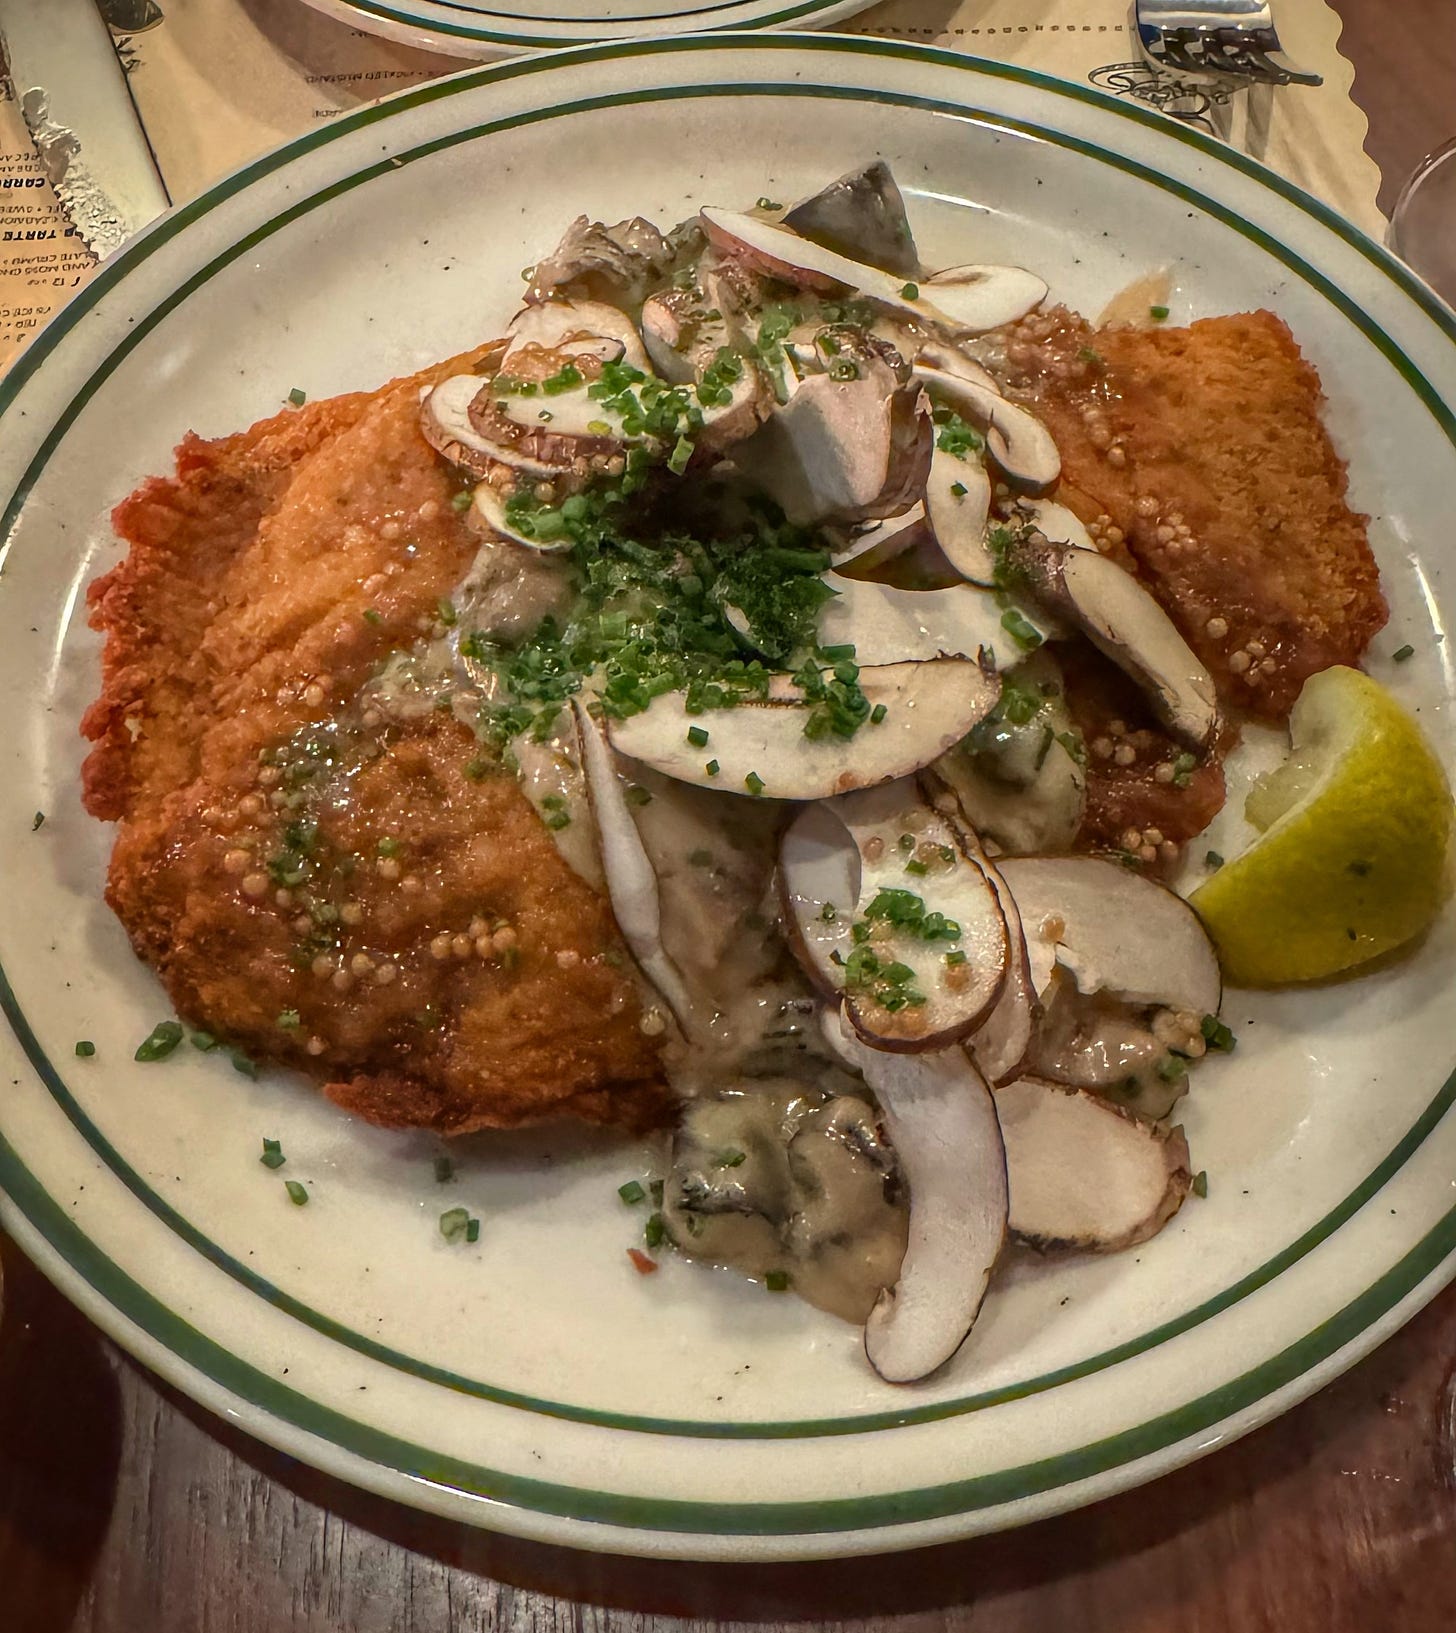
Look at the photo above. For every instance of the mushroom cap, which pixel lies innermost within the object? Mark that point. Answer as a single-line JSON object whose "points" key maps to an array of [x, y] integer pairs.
{"points": [[928, 706], [1086, 1173], [1115, 931], [942, 1123]]}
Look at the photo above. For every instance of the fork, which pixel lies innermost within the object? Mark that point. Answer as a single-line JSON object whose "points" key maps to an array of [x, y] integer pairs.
{"points": [[1231, 39]]}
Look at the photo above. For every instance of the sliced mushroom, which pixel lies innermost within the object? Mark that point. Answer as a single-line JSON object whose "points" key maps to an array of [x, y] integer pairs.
{"points": [[819, 884], [1001, 1044], [928, 944], [1085, 1173], [868, 548], [974, 300], [1120, 618], [958, 503], [489, 508], [616, 264], [861, 216], [1018, 442], [1022, 783], [760, 747], [1116, 931], [1097, 1041], [631, 882], [567, 325], [1057, 522], [595, 426], [826, 453], [942, 1124], [888, 625], [447, 425], [937, 354]]}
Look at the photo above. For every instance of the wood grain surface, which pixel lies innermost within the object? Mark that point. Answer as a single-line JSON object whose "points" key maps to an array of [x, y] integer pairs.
{"points": [[126, 1509]]}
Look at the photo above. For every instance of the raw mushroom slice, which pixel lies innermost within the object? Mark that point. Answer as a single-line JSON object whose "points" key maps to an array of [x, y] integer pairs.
{"points": [[862, 215], [1018, 442], [827, 452], [489, 508], [887, 625], [976, 300], [1100, 1043], [928, 940], [1000, 1045], [759, 748], [631, 882], [883, 541], [1059, 524], [958, 504], [448, 428], [596, 425], [556, 324], [1083, 1172], [1021, 782], [819, 882], [936, 354], [1122, 620], [1116, 931], [942, 1124]]}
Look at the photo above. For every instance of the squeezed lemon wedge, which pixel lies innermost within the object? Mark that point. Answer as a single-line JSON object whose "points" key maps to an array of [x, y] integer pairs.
{"points": [[1351, 859]]}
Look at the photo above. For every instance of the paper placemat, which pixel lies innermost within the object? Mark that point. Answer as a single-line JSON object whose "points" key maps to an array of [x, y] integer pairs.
{"points": [[218, 81]]}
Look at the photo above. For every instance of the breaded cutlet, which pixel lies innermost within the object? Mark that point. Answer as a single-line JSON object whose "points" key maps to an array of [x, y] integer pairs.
{"points": [[356, 903], [1205, 448]]}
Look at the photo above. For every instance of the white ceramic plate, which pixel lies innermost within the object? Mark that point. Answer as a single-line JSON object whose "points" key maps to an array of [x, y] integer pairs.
{"points": [[489, 28], [533, 1382]]}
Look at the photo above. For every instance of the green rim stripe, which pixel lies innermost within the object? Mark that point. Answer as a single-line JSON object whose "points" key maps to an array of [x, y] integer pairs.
{"points": [[178, 219], [722, 1519], [471, 31]]}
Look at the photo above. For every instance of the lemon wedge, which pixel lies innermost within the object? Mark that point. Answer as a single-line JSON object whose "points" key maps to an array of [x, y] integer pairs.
{"points": [[1351, 859]]}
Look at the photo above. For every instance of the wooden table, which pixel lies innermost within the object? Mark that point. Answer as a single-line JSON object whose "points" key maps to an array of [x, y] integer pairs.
{"points": [[126, 1509]]}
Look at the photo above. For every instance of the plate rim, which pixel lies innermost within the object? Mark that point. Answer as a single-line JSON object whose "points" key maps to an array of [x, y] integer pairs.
{"points": [[427, 31], [1417, 1269]]}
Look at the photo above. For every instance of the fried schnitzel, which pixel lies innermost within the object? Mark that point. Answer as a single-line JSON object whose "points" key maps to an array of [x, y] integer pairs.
{"points": [[1201, 453], [358, 901]]}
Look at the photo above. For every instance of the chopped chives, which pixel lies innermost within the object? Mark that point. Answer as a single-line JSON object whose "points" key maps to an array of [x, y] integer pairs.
{"points": [[371, 616], [160, 1042], [296, 1193], [37, 822], [1157, 313], [1216, 1035], [697, 737], [777, 1281], [753, 783], [1213, 859], [656, 1190], [911, 292], [444, 1170], [272, 1154], [731, 1158], [389, 847], [454, 1222], [462, 500], [472, 1231], [203, 1042], [85, 1049], [1400, 655], [241, 1063], [711, 768], [1200, 1182], [289, 1020], [878, 713], [632, 1192], [298, 397], [638, 795], [916, 867], [654, 1232], [769, 204]]}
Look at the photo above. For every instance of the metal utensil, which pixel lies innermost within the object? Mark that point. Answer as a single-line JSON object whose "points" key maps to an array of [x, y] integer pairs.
{"points": [[74, 98], [1233, 39]]}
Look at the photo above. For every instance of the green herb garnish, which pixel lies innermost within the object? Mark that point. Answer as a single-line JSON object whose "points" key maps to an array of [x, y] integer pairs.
{"points": [[160, 1042]]}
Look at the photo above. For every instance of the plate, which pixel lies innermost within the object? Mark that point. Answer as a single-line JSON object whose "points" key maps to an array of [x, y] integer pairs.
{"points": [[533, 1382], [489, 28]]}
